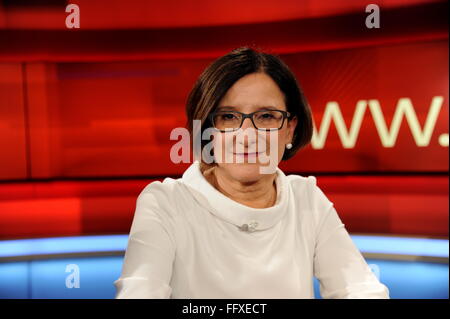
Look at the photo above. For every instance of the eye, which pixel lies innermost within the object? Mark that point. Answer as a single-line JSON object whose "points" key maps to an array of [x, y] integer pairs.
{"points": [[267, 116], [227, 116]]}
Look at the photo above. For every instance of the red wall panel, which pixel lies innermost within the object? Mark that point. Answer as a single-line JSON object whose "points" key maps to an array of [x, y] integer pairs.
{"points": [[408, 23], [121, 14], [115, 119], [401, 205], [13, 125]]}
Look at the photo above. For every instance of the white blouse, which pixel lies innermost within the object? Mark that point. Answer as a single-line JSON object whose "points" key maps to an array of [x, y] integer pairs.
{"points": [[188, 240]]}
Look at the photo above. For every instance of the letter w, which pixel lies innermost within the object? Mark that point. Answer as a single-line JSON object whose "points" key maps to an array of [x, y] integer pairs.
{"points": [[405, 107], [388, 136], [332, 110]]}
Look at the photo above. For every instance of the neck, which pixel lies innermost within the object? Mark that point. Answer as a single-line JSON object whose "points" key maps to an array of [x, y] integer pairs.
{"points": [[258, 194]]}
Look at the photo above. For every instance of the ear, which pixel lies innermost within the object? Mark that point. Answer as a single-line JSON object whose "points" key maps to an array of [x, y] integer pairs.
{"points": [[292, 124]]}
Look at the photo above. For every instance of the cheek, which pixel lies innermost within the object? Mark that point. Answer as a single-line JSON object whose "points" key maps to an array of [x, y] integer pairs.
{"points": [[274, 142], [281, 142], [222, 143]]}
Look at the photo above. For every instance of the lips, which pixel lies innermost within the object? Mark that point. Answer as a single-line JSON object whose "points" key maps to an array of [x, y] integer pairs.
{"points": [[246, 154]]}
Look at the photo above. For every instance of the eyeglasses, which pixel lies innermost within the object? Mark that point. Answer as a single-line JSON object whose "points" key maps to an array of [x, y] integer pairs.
{"points": [[265, 120]]}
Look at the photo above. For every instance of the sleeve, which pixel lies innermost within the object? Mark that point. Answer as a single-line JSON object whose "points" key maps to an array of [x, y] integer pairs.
{"points": [[147, 266], [338, 264]]}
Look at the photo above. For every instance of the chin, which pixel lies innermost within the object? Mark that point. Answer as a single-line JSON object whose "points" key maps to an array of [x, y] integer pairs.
{"points": [[244, 172]]}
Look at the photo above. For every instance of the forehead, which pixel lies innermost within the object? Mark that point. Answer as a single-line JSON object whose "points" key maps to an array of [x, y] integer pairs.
{"points": [[252, 92]]}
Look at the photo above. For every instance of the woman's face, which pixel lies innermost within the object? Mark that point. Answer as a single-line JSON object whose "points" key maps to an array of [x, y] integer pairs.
{"points": [[253, 92]]}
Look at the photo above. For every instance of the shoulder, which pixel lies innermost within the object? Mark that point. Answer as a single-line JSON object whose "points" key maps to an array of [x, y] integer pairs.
{"points": [[302, 184], [162, 196], [160, 189], [301, 181], [307, 187], [314, 205]]}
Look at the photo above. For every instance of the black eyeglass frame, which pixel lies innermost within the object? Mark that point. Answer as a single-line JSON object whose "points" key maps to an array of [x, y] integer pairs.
{"points": [[286, 115]]}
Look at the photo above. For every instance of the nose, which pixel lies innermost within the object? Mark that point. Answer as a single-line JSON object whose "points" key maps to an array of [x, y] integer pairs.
{"points": [[247, 124], [247, 139]]}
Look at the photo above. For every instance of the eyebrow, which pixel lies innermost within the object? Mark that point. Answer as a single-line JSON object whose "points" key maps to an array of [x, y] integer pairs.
{"points": [[258, 108]]}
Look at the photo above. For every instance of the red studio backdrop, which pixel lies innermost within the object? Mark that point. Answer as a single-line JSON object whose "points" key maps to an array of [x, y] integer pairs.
{"points": [[86, 115]]}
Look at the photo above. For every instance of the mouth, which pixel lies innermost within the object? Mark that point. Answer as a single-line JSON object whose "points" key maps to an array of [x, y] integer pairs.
{"points": [[248, 154]]}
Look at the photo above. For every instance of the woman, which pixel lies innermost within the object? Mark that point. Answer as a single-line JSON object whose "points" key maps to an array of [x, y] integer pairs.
{"points": [[227, 230]]}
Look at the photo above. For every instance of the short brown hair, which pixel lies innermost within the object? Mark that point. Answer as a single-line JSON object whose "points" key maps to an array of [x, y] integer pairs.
{"points": [[221, 74]]}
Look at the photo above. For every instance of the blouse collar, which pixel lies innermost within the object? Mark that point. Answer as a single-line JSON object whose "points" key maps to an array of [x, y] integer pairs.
{"points": [[245, 217]]}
